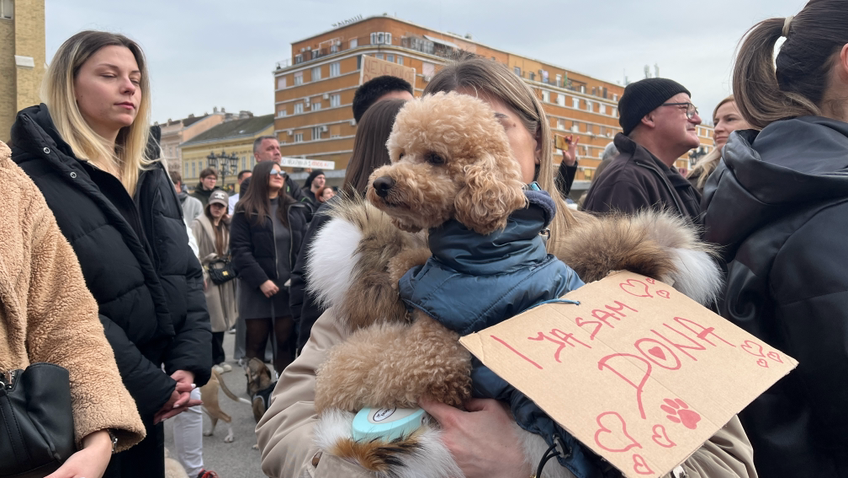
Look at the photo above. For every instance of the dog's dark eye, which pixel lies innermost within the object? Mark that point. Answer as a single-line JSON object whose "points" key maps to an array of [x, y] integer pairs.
{"points": [[434, 158]]}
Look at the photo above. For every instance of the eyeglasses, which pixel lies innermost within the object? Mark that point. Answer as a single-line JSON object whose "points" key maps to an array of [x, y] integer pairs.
{"points": [[691, 110], [281, 174]]}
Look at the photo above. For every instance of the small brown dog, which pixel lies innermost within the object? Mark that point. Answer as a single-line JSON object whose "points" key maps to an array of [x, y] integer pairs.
{"points": [[258, 378], [209, 395]]}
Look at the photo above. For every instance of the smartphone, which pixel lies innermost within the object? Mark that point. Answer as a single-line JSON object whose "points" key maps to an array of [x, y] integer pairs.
{"points": [[562, 142]]}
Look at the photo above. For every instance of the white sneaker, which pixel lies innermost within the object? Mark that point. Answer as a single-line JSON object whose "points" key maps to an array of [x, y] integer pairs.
{"points": [[218, 369], [225, 367]]}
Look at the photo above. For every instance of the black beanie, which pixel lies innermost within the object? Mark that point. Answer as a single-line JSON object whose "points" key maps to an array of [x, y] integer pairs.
{"points": [[644, 96], [314, 174]]}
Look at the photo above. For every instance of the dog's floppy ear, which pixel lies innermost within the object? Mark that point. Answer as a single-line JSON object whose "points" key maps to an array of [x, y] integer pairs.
{"points": [[489, 195]]}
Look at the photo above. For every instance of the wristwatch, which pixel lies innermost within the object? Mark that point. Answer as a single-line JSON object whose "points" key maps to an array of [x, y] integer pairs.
{"points": [[113, 439]]}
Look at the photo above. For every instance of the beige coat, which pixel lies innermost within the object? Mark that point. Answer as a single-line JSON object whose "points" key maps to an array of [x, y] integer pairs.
{"points": [[48, 315], [220, 299], [288, 449]]}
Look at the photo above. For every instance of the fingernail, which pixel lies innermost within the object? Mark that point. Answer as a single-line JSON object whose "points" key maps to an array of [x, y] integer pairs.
{"points": [[193, 386]]}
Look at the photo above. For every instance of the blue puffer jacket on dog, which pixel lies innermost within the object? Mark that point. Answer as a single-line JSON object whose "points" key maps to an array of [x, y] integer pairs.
{"points": [[474, 281]]}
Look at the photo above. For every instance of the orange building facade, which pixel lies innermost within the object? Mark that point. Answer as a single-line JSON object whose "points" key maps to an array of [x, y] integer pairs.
{"points": [[314, 89]]}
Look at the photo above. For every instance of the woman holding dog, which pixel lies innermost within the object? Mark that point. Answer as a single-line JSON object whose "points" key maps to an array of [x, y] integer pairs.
{"points": [[777, 206], [265, 238], [481, 439], [85, 150]]}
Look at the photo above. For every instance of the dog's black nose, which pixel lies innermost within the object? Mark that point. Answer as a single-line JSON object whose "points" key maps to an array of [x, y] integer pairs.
{"points": [[383, 185]]}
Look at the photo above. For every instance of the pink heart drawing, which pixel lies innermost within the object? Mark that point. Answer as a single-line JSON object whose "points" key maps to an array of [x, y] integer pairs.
{"points": [[661, 438], [762, 363], [774, 356], [639, 465], [610, 437], [650, 281], [749, 347], [664, 294], [657, 352], [632, 284]]}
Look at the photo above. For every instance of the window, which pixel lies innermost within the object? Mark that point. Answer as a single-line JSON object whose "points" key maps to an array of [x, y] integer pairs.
{"points": [[575, 127], [193, 170], [532, 76], [614, 111], [7, 9], [615, 97], [281, 83], [298, 59], [298, 137], [378, 56], [381, 38], [298, 108], [316, 73], [602, 109], [316, 105], [335, 100], [185, 173], [561, 100], [546, 96], [575, 103], [559, 81], [590, 106], [298, 78], [354, 43], [243, 163], [400, 60], [390, 58], [517, 70], [560, 124], [335, 69], [281, 112], [583, 88], [316, 133]]}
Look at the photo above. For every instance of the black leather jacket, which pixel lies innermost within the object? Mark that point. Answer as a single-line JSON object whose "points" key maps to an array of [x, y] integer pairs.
{"points": [[778, 204]]}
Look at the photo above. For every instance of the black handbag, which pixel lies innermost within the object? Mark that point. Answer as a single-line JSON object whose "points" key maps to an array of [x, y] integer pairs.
{"points": [[36, 421], [220, 271]]}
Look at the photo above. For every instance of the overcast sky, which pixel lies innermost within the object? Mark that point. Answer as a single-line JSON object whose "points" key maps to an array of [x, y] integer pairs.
{"points": [[222, 53]]}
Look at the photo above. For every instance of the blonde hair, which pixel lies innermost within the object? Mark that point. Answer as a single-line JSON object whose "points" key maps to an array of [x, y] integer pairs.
{"points": [[706, 165], [769, 89], [496, 80], [128, 155]]}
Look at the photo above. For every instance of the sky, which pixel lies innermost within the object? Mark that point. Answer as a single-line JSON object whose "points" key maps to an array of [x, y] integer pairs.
{"points": [[203, 54]]}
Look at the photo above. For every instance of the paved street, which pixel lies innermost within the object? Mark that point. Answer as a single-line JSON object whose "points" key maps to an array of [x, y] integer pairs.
{"points": [[230, 460]]}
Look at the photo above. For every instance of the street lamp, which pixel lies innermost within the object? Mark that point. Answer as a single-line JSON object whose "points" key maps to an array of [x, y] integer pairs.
{"points": [[225, 164]]}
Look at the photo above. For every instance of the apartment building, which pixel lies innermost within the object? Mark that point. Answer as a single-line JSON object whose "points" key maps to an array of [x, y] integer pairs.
{"points": [[232, 137], [314, 88], [22, 58]]}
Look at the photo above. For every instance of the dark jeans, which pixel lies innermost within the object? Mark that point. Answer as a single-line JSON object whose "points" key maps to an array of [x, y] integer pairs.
{"points": [[218, 355]]}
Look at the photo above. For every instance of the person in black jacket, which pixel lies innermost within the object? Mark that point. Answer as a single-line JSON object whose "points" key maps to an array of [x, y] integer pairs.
{"points": [[369, 153], [659, 125], [777, 204], [119, 211], [265, 237]]}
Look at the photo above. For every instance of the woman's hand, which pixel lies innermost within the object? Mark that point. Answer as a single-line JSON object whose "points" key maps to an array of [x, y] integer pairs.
{"points": [[482, 440], [569, 157], [180, 400], [269, 288], [91, 461]]}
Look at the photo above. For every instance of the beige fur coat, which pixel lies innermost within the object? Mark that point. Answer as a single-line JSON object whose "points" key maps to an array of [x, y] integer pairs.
{"points": [[220, 299], [48, 315]]}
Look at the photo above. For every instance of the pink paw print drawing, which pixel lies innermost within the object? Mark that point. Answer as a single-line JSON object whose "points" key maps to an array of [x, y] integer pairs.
{"points": [[678, 412]]}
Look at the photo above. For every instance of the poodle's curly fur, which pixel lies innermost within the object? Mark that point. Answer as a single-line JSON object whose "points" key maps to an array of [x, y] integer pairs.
{"points": [[450, 159]]}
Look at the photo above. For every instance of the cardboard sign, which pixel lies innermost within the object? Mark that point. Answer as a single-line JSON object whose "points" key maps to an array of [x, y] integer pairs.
{"points": [[638, 372], [374, 67]]}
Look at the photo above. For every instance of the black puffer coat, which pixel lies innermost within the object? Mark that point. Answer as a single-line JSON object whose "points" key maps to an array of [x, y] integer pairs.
{"points": [[778, 203], [253, 246], [149, 289]]}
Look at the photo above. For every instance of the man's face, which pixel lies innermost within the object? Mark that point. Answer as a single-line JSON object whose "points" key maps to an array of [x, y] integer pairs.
{"points": [[243, 177], [318, 182], [178, 186], [674, 128], [209, 182], [269, 150]]}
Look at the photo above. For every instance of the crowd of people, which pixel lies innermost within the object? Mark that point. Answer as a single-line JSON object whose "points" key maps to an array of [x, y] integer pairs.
{"points": [[116, 272]]}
